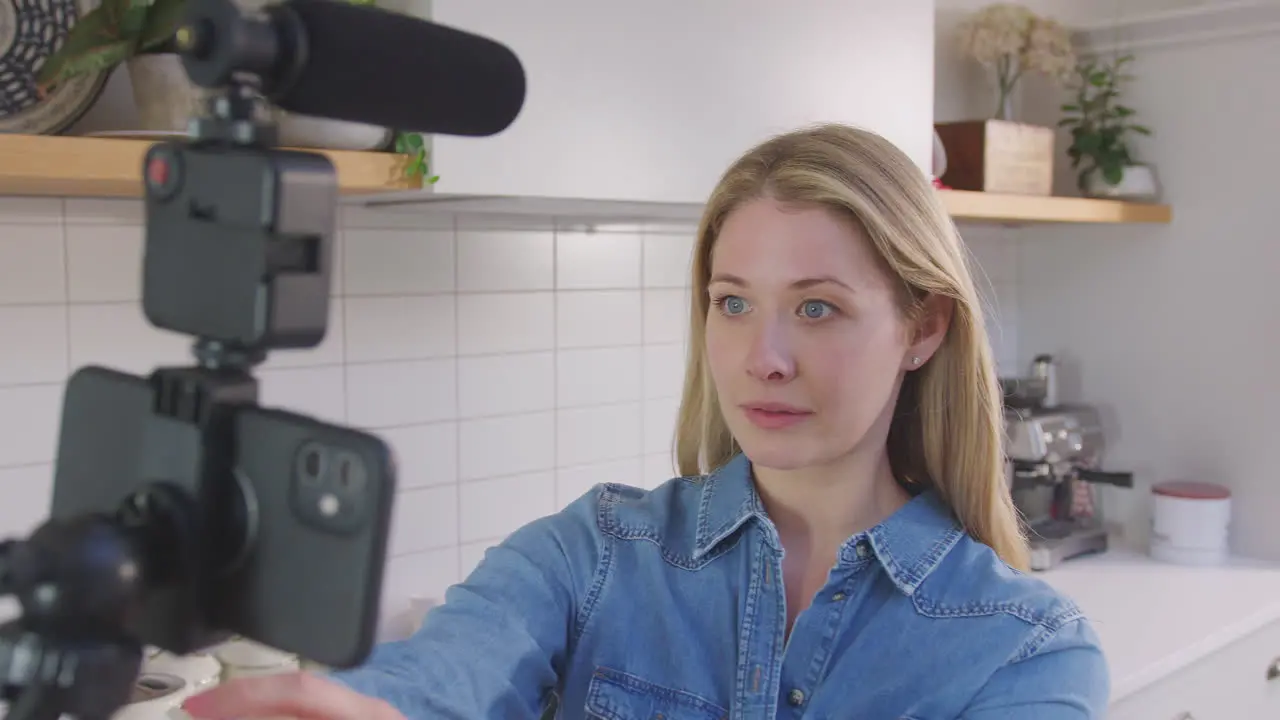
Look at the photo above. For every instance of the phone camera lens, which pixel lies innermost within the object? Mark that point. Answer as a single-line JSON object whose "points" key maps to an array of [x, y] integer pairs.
{"points": [[351, 474], [311, 465]]}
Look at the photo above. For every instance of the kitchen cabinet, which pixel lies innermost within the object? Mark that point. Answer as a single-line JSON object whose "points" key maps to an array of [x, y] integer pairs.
{"points": [[1241, 680], [1182, 643], [651, 101]]}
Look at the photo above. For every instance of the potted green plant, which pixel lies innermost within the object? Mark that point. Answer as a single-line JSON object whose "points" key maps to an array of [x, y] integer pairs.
{"points": [[139, 34], [1101, 130]]}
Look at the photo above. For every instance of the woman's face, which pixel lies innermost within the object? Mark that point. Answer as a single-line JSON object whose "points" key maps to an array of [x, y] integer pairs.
{"points": [[805, 339]]}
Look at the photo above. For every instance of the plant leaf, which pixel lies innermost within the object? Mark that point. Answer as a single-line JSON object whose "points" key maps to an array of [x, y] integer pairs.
{"points": [[1088, 142], [1141, 129], [92, 30], [1113, 174], [162, 23], [133, 17], [99, 57]]}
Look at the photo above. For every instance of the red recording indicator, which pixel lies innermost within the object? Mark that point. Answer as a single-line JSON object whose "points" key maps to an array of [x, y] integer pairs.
{"points": [[157, 172]]}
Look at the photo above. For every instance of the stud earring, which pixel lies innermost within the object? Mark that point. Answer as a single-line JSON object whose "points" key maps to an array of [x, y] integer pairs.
{"points": [[915, 360]]}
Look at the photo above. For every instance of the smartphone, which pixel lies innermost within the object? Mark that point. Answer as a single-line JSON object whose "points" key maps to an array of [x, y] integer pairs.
{"points": [[317, 501], [312, 582]]}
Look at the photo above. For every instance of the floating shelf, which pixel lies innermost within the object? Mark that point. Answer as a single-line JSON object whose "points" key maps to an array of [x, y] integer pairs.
{"points": [[110, 167], [52, 165], [965, 207], [990, 207]]}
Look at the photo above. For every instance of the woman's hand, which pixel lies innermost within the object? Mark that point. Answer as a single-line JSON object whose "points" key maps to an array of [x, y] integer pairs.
{"points": [[298, 695]]}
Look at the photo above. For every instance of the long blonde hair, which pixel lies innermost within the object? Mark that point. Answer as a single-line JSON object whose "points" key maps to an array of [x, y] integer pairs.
{"points": [[948, 428]]}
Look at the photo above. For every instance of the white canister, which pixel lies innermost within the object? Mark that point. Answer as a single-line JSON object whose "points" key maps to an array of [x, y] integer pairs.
{"points": [[1190, 522]]}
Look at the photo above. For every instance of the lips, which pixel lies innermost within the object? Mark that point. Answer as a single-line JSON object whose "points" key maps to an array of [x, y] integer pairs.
{"points": [[775, 416]]}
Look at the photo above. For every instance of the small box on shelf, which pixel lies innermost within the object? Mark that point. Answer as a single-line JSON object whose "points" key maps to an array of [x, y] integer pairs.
{"points": [[998, 156]]}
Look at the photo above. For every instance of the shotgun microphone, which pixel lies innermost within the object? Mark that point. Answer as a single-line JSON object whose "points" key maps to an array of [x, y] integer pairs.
{"points": [[333, 59]]}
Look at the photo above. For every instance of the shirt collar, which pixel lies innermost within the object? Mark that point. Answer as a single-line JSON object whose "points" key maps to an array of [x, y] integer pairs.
{"points": [[909, 544]]}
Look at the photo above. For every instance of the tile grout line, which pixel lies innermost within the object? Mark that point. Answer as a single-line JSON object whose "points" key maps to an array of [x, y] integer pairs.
{"points": [[456, 248], [644, 389], [555, 364], [339, 268], [66, 280]]}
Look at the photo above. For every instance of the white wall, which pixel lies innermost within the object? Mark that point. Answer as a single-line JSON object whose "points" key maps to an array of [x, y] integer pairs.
{"points": [[511, 366], [1174, 329], [510, 369]]}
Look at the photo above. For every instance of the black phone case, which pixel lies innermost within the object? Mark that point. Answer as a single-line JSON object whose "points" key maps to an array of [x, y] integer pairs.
{"points": [[311, 584]]}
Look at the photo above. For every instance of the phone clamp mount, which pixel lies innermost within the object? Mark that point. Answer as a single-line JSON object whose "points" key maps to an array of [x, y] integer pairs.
{"points": [[238, 247]]}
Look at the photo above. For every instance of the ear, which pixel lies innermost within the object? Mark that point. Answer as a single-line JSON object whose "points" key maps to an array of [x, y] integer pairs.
{"points": [[928, 331]]}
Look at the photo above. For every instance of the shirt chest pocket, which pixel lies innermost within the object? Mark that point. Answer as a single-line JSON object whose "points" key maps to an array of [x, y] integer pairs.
{"points": [[615, 695]]}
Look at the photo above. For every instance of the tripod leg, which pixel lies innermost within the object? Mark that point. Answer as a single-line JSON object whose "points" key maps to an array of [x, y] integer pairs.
{"points": [[34, 703]]}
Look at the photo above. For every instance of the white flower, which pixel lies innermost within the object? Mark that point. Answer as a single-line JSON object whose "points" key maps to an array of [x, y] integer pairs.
{"points": [[1049, 50], [996, 31]]}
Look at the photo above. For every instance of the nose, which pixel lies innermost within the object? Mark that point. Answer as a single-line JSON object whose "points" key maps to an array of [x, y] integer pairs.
{"points": [[769, 357]]}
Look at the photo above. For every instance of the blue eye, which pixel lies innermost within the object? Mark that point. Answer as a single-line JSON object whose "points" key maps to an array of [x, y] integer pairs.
{"points": [[732, 305], [816, 309]]}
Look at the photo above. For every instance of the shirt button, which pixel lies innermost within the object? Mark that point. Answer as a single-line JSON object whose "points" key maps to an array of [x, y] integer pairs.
{"points": [[838, 597], [863, 550], [796, 697]]}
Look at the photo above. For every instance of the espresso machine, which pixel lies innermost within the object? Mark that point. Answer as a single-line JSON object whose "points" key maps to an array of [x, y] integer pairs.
{"points": [[1053, 457]]}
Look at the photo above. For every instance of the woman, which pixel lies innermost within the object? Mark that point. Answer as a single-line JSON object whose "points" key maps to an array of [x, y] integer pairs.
{"points": [[843, 543]]}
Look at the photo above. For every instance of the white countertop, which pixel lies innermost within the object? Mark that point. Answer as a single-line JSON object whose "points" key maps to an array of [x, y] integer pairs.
{"points": [[1155, 618]]}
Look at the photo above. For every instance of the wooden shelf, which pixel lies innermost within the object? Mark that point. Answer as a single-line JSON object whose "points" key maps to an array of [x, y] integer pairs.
{"points": [[965, 205], [110, 167], [53, 165]]}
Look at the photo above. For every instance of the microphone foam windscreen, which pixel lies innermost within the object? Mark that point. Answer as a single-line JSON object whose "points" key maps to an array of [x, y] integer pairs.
{"points": [[378, 67]]}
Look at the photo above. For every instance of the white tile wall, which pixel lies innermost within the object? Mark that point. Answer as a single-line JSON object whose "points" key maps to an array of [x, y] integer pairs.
{"points": [[510, 365]]}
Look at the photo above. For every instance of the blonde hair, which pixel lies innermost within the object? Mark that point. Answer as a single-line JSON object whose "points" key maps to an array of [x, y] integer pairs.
{"points": [[948, 429]]}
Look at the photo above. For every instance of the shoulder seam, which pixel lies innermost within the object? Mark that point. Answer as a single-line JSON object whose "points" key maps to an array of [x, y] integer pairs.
{"points": [[608, 497], [1060, 613], [1046, 630]]}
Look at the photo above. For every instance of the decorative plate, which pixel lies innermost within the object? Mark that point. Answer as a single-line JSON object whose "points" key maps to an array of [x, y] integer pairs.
{"points": [[30, 31]]}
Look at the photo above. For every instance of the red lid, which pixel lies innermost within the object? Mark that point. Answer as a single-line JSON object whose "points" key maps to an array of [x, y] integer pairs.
{"points": [[1191, 490]]}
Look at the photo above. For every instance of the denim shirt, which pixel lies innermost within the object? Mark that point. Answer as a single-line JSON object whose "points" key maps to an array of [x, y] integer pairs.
{"points": [[669, 603]]}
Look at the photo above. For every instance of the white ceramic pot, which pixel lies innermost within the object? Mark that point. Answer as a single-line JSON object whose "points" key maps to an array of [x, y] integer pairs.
{"points": [[305, 131], [1138, 183], [165, 98]]}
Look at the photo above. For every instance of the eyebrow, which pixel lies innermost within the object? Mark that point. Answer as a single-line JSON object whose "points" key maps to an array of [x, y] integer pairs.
{"points": [[801, 284]]}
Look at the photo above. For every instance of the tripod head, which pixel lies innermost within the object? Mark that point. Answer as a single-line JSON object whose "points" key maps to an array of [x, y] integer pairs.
{"points": [[182, 512]]}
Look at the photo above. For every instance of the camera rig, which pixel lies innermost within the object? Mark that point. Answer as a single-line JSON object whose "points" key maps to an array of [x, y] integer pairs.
{"points": [[237, 255]]}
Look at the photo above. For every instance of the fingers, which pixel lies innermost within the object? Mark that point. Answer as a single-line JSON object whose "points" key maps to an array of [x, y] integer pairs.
{"points": [[300, 695]]}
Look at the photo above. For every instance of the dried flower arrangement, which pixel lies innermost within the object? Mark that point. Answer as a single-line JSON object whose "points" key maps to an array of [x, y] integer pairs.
{"points": [[1012, 40]]}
